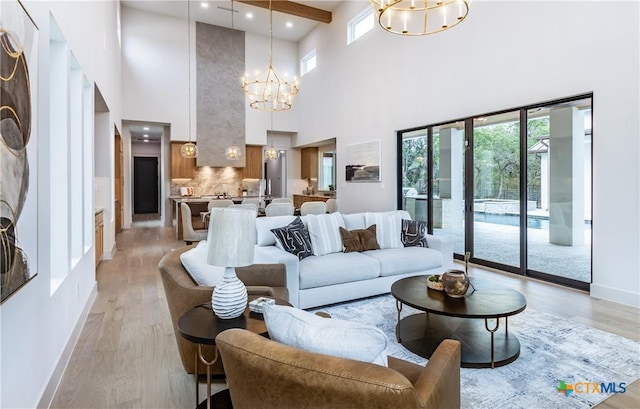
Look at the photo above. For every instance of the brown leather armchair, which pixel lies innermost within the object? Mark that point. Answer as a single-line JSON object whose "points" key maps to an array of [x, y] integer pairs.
{"points": [[183, 294], [265, 374]]}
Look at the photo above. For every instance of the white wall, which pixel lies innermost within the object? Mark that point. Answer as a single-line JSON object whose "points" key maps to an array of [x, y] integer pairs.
{"points": [[504, 55], [155, 74], [37, 327]]}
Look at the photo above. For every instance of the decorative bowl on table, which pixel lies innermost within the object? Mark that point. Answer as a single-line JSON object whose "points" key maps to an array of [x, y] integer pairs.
{"points": [[435, 282], [456, 283]]}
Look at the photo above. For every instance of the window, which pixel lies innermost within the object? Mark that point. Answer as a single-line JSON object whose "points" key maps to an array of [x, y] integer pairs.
{"points": [[359, 25], [512, 189], [328, 166], [308, 62]]}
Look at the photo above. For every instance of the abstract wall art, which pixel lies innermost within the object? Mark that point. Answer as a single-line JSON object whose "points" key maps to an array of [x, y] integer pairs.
{"points": [[18, 144], [363, 162]]}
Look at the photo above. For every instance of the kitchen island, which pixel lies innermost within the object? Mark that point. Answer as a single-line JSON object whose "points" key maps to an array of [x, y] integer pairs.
{"points": [[197, 204]]}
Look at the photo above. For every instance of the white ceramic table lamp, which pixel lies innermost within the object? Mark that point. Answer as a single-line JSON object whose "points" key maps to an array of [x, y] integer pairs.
{"points": [[232, 235]]}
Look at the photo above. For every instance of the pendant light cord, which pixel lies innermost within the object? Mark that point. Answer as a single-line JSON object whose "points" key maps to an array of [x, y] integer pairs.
{"points": [[189, 60], [270, 35]]}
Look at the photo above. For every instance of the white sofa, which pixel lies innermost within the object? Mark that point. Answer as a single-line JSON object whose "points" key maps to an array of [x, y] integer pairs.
{"points": [[337, 277]]}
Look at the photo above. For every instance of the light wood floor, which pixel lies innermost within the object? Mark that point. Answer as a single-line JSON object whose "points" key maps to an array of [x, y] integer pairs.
{"points": [[127, 356]]}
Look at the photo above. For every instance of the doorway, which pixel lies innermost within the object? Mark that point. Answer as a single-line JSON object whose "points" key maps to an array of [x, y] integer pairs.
{"points": [[275, 174], [145, 185]]}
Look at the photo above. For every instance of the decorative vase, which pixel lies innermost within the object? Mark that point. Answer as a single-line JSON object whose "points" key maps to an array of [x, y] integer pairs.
{"points": [[456, 283], [229, 298]]}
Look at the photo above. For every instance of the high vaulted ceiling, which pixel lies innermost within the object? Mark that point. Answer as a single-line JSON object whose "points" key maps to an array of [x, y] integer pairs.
{"points": [[219, 13]]}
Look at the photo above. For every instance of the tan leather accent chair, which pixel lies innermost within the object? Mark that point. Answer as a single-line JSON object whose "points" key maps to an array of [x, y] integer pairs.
{"points": [[264, 374], [183, 294]]}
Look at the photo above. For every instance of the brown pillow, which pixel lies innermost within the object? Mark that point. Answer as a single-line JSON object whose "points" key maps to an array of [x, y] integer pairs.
{"points": [[359, 239]]}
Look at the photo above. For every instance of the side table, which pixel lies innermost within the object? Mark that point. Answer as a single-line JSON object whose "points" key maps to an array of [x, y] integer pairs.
{"points": [[200, 325]]}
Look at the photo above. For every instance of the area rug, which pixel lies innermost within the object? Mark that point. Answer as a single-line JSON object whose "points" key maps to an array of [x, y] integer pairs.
{"points": [[553, 350]]}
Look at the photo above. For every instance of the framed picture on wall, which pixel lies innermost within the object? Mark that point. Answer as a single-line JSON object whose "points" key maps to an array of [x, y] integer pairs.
{"points": [[363, 162], [18, 154]]}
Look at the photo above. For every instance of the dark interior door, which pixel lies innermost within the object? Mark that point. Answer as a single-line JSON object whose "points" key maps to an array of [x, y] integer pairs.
{"points": [[145, 185]]}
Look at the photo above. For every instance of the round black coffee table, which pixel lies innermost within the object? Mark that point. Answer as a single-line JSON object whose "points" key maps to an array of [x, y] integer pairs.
{"points": [[473, 320]]}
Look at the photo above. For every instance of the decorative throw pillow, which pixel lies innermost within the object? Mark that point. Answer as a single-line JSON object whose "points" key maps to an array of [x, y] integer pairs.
{"points": [[324, 232], [359, 239], [414, 233], [294, 238], [388, 225], [195, 262], [310, 332]]}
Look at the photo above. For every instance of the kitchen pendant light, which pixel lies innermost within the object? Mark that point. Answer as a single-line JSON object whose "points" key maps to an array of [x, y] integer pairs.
{"points": [[271, 153], [189, 150], [232, 152]]}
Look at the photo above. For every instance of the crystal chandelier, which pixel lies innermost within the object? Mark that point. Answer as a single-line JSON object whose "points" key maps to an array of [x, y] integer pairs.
{"points": [[271, 153], [189, 150], [268, 91], [419, 17]]}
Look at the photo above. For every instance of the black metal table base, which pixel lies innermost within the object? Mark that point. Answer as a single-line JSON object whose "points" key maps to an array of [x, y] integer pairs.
{"points": [[422, 333], [219, 400]]}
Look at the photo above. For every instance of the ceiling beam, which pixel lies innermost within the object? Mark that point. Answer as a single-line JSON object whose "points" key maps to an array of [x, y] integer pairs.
{"points": [[295, 9]]}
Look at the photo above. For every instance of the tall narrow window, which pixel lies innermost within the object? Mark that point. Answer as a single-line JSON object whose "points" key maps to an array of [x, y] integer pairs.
{"points": [[360, 25], [308, 62]]}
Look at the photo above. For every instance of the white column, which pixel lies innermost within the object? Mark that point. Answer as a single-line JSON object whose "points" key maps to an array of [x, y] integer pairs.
{"points": [[544, 181], [451, 177], [566, 185]]}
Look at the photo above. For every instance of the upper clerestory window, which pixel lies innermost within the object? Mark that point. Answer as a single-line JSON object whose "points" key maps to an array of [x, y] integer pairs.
{"points": [[359, 25], [308, 62]]}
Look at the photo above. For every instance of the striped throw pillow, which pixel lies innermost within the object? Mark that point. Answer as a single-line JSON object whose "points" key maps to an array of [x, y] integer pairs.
{"points": [[388, 228], [324, 230]]}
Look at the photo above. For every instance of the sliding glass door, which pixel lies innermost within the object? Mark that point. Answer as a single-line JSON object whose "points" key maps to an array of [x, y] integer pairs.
{"points": [[559, 187], [448, 183], [512, 189], [496, 189]]}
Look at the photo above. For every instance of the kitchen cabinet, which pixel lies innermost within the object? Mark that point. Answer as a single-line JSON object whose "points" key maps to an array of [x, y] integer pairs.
{"points": [[253, 162], [309, 163], [298, 200], [99, 236], [181, 168]]}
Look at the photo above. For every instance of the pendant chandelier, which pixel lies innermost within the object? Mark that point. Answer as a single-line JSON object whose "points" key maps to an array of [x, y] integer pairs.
{"points": [[271, 153], [189, 150], [268, 91], [419, 17], [232, 152]]}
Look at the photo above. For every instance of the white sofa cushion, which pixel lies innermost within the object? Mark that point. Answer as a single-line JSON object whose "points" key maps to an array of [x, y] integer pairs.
{"points": [[354, 221], [337, 268], [345, 339], [324, 230], [195, 262], [264, 225], [405, 260], [388, 228]]}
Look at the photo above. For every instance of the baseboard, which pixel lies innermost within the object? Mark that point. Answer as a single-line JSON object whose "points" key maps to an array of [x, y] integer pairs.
{"points": [[615, 295], [108, 255], [52, 386]]}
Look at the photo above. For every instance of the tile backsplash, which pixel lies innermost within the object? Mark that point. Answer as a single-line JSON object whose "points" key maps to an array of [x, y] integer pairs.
{"points": [[210, 181], [216, 180]]}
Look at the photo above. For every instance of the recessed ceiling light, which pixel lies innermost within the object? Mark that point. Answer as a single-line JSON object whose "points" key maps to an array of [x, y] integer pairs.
{"points": [[289, 24], [146, 135], [204, 5], [146, 141], [146, 128], [249, 15]]}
